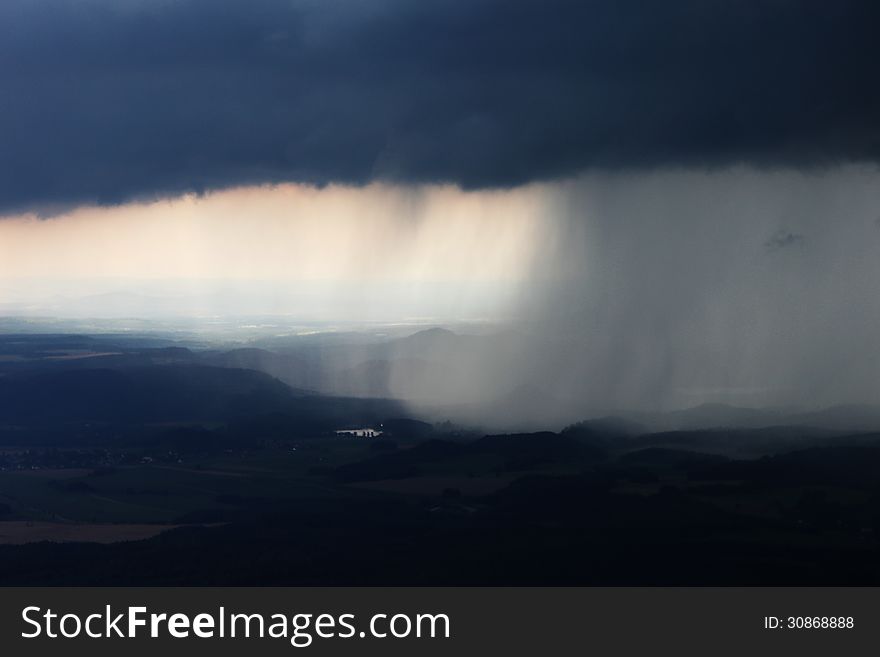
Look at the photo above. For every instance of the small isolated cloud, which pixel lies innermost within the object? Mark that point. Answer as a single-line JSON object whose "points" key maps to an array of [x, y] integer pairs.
{"points": [[782, 239]]}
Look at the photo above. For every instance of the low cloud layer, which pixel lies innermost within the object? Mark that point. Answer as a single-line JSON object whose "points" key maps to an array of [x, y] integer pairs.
{"points": [[783, 239], [106, 100]]}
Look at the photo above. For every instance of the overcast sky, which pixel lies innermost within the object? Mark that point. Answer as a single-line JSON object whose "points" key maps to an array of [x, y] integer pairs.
{"points": [[682, 194]]}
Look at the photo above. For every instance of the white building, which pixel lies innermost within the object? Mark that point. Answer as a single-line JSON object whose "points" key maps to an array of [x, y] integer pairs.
{"points": [[360, 433]]}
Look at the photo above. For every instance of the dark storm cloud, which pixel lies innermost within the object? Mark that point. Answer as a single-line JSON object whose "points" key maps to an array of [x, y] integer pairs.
{"points": [[782, 239], [108, 100]]}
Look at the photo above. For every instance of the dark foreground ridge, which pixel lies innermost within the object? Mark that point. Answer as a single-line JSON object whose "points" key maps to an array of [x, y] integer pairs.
{"points": [[566, 511]]}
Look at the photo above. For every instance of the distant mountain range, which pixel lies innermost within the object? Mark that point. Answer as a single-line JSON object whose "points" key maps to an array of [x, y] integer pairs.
{"points": [[850, 417], [440, 374]]}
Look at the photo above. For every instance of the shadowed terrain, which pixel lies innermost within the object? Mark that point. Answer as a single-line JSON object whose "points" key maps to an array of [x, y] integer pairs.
{"points": [[129, 462]]}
